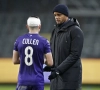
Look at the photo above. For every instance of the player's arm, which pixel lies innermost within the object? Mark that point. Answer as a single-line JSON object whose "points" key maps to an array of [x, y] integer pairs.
{"points": [[48, 59], [15, 57]]}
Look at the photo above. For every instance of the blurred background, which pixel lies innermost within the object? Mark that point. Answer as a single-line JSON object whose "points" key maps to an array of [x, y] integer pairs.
{"points": [[13, 18]]}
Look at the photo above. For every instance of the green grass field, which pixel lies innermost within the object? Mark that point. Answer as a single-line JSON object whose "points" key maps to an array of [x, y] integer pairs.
{"points": [[84, 87]]}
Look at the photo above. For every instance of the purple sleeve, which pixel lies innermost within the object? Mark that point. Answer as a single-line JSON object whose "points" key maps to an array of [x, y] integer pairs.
{"points": [[47, 47], [16, 45]]}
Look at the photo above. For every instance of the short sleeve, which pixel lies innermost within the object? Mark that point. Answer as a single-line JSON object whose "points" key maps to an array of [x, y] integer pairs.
{"points": [[15, 45], [47, 47]]}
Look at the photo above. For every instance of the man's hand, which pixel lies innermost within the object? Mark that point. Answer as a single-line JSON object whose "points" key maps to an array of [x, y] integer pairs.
{"points": [[48, 68], [53, 75]]}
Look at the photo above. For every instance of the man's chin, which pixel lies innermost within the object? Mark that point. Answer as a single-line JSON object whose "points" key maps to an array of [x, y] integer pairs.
{"points": [[58, 23]]}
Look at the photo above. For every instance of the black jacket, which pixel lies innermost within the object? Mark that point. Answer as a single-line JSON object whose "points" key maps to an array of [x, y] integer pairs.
{"points": [[66, 45]]}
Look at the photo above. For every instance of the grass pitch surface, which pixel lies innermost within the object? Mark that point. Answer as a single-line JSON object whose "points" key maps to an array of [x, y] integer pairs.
{"points": [[47, 87]]}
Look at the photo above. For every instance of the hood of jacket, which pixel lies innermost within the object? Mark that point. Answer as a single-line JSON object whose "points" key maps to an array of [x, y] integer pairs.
{"points": [[69, 23]]}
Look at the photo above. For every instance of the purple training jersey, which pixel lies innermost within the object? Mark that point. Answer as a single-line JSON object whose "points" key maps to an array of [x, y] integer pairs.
{"points": [[31, 49]]}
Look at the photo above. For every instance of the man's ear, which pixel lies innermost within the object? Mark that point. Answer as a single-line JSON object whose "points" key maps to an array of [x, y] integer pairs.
{"points": [[39, 26], [27, 27]]}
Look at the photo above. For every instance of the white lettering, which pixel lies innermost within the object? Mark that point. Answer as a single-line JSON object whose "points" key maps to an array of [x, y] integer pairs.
{"points": [[30, 41]]}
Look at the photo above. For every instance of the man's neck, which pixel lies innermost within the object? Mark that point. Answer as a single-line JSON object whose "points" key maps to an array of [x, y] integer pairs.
{"points": [[33, 32]]}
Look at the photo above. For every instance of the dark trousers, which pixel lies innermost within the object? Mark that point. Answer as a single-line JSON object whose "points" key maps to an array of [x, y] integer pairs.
{"points": [[69, 89]]}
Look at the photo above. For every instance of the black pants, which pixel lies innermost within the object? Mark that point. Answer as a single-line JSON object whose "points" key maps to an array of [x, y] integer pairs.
{"points": [[69, 89]]}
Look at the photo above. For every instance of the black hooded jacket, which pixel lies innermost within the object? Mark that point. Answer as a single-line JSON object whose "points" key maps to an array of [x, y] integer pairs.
{"points": [[66, 45]]}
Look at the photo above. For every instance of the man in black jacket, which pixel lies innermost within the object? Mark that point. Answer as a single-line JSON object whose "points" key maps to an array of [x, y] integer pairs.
{"points": [[66, 45]]}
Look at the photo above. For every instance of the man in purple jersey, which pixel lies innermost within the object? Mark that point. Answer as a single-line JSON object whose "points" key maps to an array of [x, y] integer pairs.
{"points": [[29, 51]]}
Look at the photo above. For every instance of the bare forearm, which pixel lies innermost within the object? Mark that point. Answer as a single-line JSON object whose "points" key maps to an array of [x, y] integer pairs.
{"points": [[17, 62]]}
